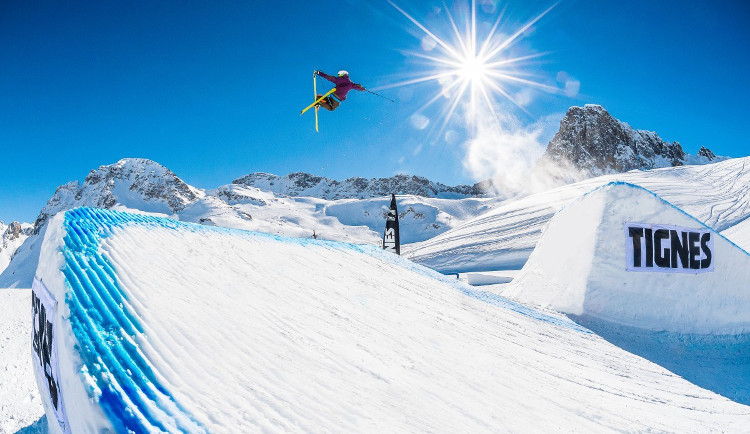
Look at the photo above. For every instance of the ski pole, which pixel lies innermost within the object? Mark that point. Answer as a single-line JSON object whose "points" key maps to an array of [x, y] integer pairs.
{"points": [[377, 94]]}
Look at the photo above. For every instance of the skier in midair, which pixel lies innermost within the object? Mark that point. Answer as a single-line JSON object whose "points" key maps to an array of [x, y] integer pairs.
{"points": [[343, 85]]}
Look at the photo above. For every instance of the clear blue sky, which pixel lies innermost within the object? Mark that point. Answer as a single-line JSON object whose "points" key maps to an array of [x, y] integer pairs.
{"points": [[212, 90]]}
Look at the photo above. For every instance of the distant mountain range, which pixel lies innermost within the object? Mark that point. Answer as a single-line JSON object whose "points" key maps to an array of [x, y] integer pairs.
{"points": [[300, 204], [305, 184], [296, 205]]}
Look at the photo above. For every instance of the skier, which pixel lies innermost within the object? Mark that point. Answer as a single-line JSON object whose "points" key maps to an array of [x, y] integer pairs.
{"points": [[343, 85]]}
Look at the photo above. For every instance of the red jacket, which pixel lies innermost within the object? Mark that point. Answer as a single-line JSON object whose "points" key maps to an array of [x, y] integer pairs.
{"points": [[343, 85]]}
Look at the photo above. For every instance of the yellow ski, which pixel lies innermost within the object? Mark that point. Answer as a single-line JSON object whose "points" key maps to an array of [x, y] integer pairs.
{"points": [[317, 101], [317, 107]]}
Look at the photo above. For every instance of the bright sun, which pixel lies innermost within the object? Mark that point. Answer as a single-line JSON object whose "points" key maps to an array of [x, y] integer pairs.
{"points": [[471, 69]]}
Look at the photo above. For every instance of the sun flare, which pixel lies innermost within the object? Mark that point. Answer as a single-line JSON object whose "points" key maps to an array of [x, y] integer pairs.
{"points": [[471, 69]]}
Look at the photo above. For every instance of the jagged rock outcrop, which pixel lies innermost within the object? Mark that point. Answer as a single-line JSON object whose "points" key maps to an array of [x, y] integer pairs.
{"points": [[14, 231], [11, 238], [233, 194], [706, 153], [305, 184], [132, 182], [594, 143]]}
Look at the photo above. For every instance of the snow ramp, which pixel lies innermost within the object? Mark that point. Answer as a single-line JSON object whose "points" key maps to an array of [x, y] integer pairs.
{"points": [[623, 255], [145, 324]]}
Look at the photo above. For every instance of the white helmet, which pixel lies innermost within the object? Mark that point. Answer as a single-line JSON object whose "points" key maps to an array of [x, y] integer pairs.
{"points": [[343, 73]]}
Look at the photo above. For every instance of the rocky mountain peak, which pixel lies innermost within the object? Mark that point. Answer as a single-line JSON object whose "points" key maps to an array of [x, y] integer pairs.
{"points": [[132, 182], [593, 142], [305, 184], [706, 153], [11, 238], [14, 231]]}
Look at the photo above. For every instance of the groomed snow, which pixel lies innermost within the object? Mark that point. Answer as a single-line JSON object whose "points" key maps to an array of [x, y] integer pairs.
{"points": [[503, 238], [20, 403], [579, 268], [229, 331], [739, 234]]}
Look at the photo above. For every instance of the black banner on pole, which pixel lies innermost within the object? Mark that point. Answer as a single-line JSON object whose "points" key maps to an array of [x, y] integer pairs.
{"points": [[391, 239]]}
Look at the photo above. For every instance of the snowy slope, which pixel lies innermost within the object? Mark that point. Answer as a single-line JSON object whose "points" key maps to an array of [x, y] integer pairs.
{"points": [[739, 234], [716, 194], [145, 186], [579, 267], [349, 220], [20, 402], [252, 332], [420, 218]]}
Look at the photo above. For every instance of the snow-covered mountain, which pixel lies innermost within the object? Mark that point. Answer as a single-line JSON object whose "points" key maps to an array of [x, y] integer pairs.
{"points": [[134, 183], [305, 184], [141, 185], [11, 237], [302, 205], [594, 143], [504, 237]]}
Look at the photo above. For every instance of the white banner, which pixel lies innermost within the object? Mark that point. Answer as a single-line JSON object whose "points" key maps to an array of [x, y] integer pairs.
{"points": [[668, 249], [44, 349]]}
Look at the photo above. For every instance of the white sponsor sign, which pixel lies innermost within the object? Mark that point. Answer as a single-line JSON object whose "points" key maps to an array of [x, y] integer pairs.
{"points": [[44, 349], [668, 249]]}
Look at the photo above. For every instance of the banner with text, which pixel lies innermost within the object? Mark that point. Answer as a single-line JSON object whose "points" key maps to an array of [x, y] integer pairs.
{"points": [[668, 249], [391, 238], [44, 349]]}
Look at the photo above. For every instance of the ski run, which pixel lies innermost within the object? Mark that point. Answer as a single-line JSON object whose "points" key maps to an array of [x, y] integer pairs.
{"points": [[616, 304]]}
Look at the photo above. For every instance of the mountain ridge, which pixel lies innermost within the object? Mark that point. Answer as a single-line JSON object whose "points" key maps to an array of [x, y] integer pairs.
{"points": [[305, 184], [301, 205], [594, 143], [141, 185]]}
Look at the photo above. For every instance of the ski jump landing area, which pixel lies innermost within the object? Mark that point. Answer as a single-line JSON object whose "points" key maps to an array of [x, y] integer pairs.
{"points": [[623, 255], [651, 279], [144, 324]]}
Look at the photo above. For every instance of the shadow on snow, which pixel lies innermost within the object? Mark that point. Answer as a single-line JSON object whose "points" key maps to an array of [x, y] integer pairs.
{"points": [[38, 427], [719, 363]]}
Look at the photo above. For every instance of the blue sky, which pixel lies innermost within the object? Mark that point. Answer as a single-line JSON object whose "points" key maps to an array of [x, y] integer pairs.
{"points": [[212, 90]]}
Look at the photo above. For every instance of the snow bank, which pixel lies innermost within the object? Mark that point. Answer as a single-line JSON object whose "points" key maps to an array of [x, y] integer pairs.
{"points": [[504, 237], [420, 218], [622, 254], [20, 403], [739, 234], [147, 324]]}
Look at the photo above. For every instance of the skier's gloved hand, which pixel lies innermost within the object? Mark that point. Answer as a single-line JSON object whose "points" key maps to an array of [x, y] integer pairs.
{"points": [[316, 72]]}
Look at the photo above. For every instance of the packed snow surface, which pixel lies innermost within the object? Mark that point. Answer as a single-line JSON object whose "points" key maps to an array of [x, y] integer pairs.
{"points": [[503, 238], [174, 326], [580, 267], [20, 403], [739, 234]]}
